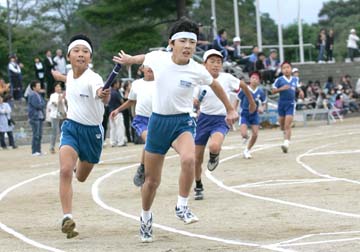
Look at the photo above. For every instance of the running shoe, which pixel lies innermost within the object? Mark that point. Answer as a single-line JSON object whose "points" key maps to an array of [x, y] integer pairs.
{"points": [[213, 163], [68, 228], [184, 213], [146, 230], [139, 177], [199, 193], [247, 154]]}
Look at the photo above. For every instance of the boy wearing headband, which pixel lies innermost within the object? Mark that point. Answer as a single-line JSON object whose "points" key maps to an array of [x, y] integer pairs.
{"points": [[286, 85], [81, 138], [170, 125], [211, 125], [247, 118]]}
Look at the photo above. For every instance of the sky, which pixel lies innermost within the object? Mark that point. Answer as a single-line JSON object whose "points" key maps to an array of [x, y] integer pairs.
{"points": [[288, 8], [309, 10]]}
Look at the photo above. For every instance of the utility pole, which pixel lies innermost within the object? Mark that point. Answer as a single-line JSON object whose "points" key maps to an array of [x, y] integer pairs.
{"points": [[236, 20], [9, 27]]}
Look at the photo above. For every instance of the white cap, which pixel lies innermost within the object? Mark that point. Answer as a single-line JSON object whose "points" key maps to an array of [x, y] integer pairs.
{"points": [[210, 52], [352, 30], [236, 39], [295, 70]]}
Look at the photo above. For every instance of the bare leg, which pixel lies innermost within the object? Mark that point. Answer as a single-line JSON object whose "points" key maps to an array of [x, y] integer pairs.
{"points": [[199, 158], [254, 135], [215, 142]]}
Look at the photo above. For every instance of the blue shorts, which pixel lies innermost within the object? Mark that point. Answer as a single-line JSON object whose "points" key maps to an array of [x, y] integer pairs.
{"points": [[249, 119], [164, 129], [86, 140], [140, 124], [207, 125], [286, 108]]}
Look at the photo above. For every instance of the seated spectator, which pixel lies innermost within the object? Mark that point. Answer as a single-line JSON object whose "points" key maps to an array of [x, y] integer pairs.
{"points": [[250, 67], [220, 43], [272, 64], [339, 104], [6, 124], [329, 85], [202, 43], [239, 58], [357, 89]]}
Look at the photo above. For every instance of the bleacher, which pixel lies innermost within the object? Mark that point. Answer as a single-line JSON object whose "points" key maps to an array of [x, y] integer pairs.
{"points": [[22, 131]]}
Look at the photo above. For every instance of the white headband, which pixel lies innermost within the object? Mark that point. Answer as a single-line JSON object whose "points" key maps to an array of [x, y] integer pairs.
{"points": [[189, 35], [79, 42]]}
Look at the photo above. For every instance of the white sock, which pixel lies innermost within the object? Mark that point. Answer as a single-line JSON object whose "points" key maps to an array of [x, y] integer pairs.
{"points": [[145, 215], [69, 215], [246, 149], [182, 201], [286, 142]]}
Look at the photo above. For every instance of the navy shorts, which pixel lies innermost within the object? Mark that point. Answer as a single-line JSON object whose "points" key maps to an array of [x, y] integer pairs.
{"points": [[140, 124], [249, 119], [164, 129], [286, 108], [86, 140], [207, 125]]}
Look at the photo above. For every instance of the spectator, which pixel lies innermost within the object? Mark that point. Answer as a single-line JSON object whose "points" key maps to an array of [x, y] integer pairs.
{"points": [[357, 88], [260, 64], [352, 44], [5, 90], [14, 70], [202, 43], [250, 67], [49, 65], [330, 46], [117, 128], [235, 55], [320, 45], [39, 71], [57, 105], [329, 85], [6, 124], [36, 106], [60, 62], [127, 112], [272, 64], [220, 43]]}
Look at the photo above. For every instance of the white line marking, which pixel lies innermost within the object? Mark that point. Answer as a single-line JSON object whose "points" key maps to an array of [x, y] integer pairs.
{"points": [[17, 234], [283, 182]]}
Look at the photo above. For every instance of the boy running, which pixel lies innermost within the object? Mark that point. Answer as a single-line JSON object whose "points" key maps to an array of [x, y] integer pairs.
{"points": [[141, 94], [211, 124], [82, 133], [286, 85], [246, 117], [170, 125]]}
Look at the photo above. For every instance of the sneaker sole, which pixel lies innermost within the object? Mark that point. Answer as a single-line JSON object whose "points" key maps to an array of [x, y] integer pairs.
{"points": [[137, 182], [198, 197], [69, 229], [284, 149], [187, 222], [146, 240]]}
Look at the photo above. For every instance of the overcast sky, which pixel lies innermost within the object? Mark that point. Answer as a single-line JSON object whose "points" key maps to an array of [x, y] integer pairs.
{"points": [[288, 8], [309, 10]]}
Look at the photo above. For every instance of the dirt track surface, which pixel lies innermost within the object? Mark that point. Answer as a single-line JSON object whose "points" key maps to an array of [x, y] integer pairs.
{"points": [[306, 200]]}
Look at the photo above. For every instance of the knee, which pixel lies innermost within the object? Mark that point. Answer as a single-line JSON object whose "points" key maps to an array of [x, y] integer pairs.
{"points": [[80, 179], [214, 148], [187, 161], [66, 172], [151, 183]]}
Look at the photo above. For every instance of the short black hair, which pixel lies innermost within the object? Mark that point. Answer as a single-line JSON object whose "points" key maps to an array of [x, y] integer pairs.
{"points": [[83, 37], [33, 84], [184, 25], [221, 31]]}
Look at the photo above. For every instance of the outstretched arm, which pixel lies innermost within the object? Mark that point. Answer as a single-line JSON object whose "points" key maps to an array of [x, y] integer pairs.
{"points": [[122, 107], [126, 59], [58, 76], [232, 115], [245, 89]]}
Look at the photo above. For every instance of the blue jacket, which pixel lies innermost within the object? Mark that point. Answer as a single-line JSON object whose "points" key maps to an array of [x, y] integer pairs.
{"points": [[36, 107]]}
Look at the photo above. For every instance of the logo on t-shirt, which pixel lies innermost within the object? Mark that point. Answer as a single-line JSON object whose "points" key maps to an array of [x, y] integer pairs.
{"points": [[185, 84]]}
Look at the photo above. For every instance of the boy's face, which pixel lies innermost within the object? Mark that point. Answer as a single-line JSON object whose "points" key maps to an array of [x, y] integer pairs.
{"points": [[254, 79], [183, 49], [58, 89], [79, 57], [213, 64], [286, 69], [37, 87]]}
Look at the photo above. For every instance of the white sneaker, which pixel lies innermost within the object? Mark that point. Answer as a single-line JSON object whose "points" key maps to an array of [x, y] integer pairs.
{"points": [[244, 140], [247, 154], [36, 154]]}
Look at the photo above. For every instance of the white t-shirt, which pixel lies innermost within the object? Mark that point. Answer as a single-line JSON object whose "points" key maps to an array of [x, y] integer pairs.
{"points": [[175, 83], [211, 104], [60, 64], [142, 92], [352, 41], [83, 104]]}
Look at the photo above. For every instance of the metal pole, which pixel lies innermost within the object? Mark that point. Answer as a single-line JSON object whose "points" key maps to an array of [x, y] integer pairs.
{"points": [[281, 48], [213, 18], [258, 25], [9, 27], [236, 20], [301, 42]]}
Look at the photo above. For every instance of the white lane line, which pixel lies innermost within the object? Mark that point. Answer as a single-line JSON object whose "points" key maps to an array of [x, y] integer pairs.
{"points": [[96, 197], [17, 234], [310, 169], [282, 182], [321, 242]]}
